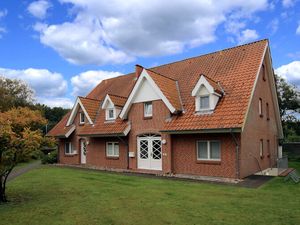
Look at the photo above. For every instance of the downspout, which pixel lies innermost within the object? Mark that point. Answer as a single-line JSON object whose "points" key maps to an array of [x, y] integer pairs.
{"points": [[237, 147], [127, 149]]}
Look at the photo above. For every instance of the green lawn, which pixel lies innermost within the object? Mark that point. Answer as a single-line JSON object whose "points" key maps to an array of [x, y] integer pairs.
{"points": [[50, 195]]}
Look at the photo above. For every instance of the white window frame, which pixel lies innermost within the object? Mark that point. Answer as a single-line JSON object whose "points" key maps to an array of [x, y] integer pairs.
{"points": [[71, 151], [81, 116], [150, 114], [208, 150], [114, 150], [200, 106], [108, 116]]}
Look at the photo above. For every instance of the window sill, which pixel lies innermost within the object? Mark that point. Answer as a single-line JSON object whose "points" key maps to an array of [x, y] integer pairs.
{"points": [[71, 154], [147, 117], [81, 124], [212, 162], [112, 157], [110, 121]]}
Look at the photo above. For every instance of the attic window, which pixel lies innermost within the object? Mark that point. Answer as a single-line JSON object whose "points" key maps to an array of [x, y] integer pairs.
{"points": [[148, 109], [204, 102], [81, 118], [110, 114]]}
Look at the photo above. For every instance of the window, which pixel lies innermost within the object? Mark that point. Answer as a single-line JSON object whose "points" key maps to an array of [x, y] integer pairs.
{"points": [[204, 102], [260, 108], [263, 72], [110, 114], [148, 109], [81, 118], [267, 111], [68, 148], [209, 150], [112, 149], [261, 148]]}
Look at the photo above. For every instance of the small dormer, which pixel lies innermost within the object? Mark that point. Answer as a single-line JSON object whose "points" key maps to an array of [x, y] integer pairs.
{"points": [[207, 94], [112, 105]]}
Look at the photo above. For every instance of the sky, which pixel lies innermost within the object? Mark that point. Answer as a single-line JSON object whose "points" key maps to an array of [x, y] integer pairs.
{"points": [[64, 48]]}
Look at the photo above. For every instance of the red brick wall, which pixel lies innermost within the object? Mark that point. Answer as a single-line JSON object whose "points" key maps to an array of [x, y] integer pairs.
{"points": [[141, 125], [257, 128], [184, 156]]}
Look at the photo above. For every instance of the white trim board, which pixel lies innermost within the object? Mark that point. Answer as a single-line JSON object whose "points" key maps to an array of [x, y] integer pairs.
{"points": [[144, 76], [74, 111]]}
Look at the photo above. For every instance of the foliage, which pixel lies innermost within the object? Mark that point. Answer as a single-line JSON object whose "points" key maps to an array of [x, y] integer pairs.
{"points": [[289, 105], [14, 93], [50, 158], [19, 140]]}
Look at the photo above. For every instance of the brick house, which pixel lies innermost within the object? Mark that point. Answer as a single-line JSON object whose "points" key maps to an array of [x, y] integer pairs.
{"points": [[212, 115]]}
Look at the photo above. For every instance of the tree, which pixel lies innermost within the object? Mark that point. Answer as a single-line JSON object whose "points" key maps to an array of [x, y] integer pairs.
{"points": [[14, 93], [19, 139], [289, 105]]}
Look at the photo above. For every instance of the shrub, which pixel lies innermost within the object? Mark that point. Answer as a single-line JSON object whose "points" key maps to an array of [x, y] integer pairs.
{"points": [[50, 158]]}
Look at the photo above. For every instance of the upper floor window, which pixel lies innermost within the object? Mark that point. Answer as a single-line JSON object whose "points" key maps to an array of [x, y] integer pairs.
{"points": [[148, 109], [267, 111], [112, 149], [204, 102], [209, 150], [260, 107], [81, 118], [110, 114]]}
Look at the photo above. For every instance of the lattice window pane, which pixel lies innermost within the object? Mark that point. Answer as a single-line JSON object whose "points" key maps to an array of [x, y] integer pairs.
{"points": [[156, 149], [144, 149]]}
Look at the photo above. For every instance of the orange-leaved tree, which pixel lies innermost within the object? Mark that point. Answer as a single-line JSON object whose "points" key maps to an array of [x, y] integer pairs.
{"points": [[19, 139]]}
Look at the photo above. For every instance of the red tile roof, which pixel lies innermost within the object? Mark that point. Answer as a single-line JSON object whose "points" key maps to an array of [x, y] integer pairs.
{"points": [[118, 100], [91, 106], [234, 68]]}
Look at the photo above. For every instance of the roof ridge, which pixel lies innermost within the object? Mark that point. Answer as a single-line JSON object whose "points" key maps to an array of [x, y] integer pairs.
{"points": [[117, 95], [210, 53], [89, 98], [161, 75]]}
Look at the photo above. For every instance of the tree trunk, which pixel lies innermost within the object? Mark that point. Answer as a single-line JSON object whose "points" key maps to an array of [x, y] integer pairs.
{"points": [[2, 189]]}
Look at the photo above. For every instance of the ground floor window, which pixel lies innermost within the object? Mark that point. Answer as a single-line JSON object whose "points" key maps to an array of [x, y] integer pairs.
{"points": [[208, 150], [112, 149], [68, 148]]}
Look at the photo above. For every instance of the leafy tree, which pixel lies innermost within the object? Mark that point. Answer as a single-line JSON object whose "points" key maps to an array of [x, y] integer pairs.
{"points": [[289, 105], [19, 139], [14, 93]]}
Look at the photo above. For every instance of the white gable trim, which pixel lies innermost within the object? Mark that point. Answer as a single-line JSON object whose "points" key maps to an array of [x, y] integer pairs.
{"points": [[74, 111], [107, 100], [203, 81], [70, 131], [144, 75]]}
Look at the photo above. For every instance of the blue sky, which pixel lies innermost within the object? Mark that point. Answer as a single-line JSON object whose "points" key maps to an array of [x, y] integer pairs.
{"points": [[63, 48]]}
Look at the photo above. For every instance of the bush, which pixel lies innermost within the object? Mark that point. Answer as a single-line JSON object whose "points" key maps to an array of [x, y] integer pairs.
{"points": [[50, 158]]}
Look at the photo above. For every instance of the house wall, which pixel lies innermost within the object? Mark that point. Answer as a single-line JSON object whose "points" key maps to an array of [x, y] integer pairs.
{"points": [[258, 127], [184, 156], [141, 125]]}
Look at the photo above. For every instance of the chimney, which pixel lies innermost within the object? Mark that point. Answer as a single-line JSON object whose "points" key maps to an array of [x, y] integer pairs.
{"points": [[138, 70]]}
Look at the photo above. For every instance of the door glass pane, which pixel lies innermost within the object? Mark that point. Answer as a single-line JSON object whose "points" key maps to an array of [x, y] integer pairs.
{"points": [[144, 149], [116, 149], [156, 149], [215, 150], [202, 150], [83, 147], [204, 102]]}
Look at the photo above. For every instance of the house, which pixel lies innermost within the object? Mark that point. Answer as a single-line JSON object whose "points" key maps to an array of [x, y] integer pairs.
{"points": [[212, 115]]}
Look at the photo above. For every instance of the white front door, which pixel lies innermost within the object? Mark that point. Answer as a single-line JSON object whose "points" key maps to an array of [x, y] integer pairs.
{"points": [[83, 151], [149, 153]]}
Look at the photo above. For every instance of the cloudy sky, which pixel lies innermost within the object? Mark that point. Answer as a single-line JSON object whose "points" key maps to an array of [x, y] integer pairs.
{"points": [[63, 48]]}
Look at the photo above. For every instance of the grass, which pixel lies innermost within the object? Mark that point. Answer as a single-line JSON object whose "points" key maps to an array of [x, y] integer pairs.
{"points": [[51, 195]]}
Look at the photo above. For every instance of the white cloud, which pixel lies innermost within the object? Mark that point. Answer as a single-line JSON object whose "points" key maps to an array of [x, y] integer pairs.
{"points": [[291, 72], [42, 81], [3, 14], [86, 81], [116, 31], [247, 35], [39, 8], [273, 26], [56, 102], [298, 29], [288, 3]]}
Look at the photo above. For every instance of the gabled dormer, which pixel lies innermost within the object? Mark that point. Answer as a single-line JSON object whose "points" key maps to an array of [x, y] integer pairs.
{"points": [[112, 105], [207, 94]]}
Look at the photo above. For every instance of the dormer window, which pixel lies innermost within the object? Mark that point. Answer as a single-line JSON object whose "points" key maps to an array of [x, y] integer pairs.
{"points": [[81, 118], [110, 114], [204, 102]]}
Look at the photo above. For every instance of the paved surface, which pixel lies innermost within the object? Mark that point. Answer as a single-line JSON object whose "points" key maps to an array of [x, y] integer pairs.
{"points": [[23, 170], [254, 181]]}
